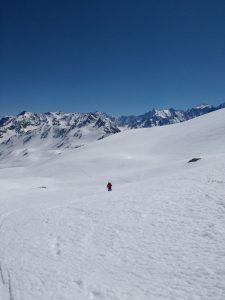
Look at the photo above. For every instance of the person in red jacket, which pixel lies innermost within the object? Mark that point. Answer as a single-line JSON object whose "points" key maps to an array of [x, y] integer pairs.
{"points": [[109, 186]]}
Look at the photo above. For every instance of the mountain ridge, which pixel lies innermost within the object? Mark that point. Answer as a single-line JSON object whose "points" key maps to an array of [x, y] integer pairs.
{"points": [[59, 130], [165, 116]]}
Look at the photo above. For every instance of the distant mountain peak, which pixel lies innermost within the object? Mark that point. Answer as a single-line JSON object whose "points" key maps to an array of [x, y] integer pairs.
{"points": [[203, 105], [22, 113]]}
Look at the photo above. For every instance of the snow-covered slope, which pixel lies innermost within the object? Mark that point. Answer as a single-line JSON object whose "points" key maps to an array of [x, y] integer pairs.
{"points": [[159, 235]]}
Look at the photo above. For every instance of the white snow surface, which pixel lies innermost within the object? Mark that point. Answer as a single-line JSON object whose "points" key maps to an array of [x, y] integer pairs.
{"points": [[159, 235]]}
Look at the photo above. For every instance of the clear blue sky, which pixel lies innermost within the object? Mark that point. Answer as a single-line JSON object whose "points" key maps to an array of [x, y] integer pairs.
{"points": [[121, 57]]}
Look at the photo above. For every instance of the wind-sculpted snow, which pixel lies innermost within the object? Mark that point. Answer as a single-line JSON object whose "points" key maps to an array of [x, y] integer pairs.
{"points": [[159, 235]]}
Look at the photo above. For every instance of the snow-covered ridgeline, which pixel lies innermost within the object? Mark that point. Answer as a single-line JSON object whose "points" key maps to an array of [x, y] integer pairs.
{"points": [[165, 117], [28, 132]]}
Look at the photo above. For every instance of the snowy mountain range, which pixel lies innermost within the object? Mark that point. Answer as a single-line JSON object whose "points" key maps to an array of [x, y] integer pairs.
{"points": [[165, 117], [28, 132]]}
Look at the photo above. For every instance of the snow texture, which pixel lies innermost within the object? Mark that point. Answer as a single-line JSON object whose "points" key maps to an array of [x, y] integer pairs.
{"points": [[159, 235]]}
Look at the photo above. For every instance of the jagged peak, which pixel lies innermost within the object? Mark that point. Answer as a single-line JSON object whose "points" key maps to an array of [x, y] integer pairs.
{"points": [[22, 113], [203, 105], [25, 113]]}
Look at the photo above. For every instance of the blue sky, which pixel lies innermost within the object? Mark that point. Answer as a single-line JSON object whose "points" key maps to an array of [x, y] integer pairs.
{"points": [[121, 57]]}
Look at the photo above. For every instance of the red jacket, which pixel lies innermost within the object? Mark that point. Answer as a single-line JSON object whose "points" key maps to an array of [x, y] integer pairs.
{"points": [[109, 185]]}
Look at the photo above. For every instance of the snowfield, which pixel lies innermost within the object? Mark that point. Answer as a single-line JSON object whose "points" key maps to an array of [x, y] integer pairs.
{"points": [[159, 235]]}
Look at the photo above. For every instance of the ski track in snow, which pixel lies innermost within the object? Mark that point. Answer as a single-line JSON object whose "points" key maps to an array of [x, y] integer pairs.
{"points": [[159, 235]]}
